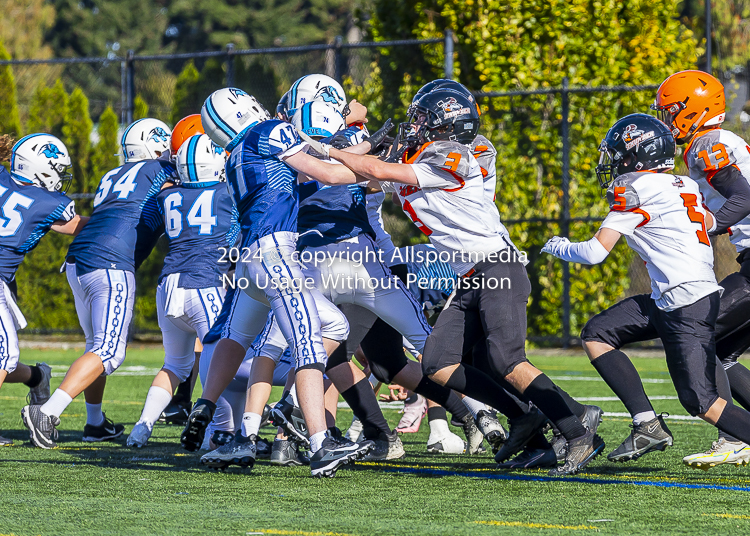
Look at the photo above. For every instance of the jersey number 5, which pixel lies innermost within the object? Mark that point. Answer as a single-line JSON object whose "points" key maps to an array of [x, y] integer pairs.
{"points": [[690, 201]]}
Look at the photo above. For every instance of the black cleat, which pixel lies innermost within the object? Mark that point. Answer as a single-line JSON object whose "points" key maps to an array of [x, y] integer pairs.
{"points": [[581, 451], [592, 418], [220, 437], [198, 420], [176, 412], [289, 417], [646, 437], [240, 451], [262, 449], [42, 427], [106, 431], [522, 429], [532, 459], [285, 452], [265, 418], [336, 452]]}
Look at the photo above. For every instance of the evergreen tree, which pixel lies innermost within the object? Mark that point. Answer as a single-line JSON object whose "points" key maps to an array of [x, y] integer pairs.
{"points": [[141, 108], [47, 109], [76, 135], [185, 93], [104, 154], [10, 122]]}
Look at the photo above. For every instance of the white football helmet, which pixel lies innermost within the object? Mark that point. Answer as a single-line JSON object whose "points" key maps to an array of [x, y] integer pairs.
{"points": [[41, 160], [199, 160], [317, 87], [145, 139], [318, 120], [229, 112]]}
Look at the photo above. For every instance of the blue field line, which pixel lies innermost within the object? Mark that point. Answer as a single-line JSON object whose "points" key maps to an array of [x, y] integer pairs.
{"points": [[526, 478]]}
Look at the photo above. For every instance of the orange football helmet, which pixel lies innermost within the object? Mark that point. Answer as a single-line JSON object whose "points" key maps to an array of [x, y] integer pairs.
{"points": [[689, 100], [184, 129]]}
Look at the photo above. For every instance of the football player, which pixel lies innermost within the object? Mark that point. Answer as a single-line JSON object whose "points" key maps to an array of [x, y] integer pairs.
{"points": [[199, 220], [441, 188], [33, 202], [100, 267], [262, 181], [663, 220]]}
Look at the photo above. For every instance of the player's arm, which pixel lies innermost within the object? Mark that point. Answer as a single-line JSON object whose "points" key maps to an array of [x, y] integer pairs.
{"points": [[731, 184], [323, 172], [71, 227], [374, 169], [592, 251]]}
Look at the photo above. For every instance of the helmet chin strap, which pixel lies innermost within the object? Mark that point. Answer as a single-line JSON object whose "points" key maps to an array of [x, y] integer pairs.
{"points": [[694, 127]]}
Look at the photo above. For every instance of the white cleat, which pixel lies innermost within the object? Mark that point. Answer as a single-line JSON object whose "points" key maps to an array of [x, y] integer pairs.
{"points": [[448, 443], [354, 431], [140, 435], [722, 452]]}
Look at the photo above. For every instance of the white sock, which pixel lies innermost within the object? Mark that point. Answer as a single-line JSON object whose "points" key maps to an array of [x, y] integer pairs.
{"points": [[157, 399], [94, 415], [475, 406], [56, 403], [316, 441], [643, 416], [250, 424]]}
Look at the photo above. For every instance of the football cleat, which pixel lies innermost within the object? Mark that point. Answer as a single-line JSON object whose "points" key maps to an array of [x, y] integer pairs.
{"points": [[474, 437], [40, 394], [139, 435], [592, 418], [240, 451], [42, 427], [262, 449], [581, 452], [355, 430], [265, 417], [492, 430], [531, 459], [5, 442], [448, 443], [646, 437], [522, 429], [289, 417], [413, 415], [176, 412], [285, 452], [335, 452], [722, 452], [198, 420], [387, 447], [221, 437], [106, 431]]}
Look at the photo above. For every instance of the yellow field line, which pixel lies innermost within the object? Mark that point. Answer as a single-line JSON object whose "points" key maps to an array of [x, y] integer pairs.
{"points": [[294, 532], [536, 525], [728, 516]]}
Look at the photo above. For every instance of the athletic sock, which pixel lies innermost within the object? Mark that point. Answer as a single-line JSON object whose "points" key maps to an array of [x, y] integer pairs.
{"points": [[472, 382], [436, 413], [316, 441], [36, 377], [474, 406], [250, 424], [157, 399], [735, 421], [725, 392], [361, 399], [538, 442], [542, 392], [575, 406], [739, 381], [184, 390], [643, 416], [455, 405], [94, 415], [56, 403], [618, 372]]}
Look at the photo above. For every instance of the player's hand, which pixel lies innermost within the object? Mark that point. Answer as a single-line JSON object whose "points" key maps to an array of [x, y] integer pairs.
{"points": [[556, 245], [357, 113], [318, 150], [396, 394], [340, 141], [377, 139]]}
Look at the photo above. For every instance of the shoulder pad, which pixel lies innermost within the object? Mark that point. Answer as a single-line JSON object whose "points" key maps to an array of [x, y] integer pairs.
{"points": [[621, 195], [708, 153], [448, 155], [270, 138], [482, 145]]}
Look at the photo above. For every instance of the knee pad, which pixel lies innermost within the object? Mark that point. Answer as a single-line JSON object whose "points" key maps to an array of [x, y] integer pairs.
{"points": [[180, 367]]}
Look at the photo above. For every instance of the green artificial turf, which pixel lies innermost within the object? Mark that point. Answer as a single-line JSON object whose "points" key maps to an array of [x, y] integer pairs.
{"points": [[109, 488]]}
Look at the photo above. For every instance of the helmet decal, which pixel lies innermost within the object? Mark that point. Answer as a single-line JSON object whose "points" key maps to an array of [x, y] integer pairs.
{"points": [[158, 134], [633, 136], [50, 150], [329, 94], [236, 92]]}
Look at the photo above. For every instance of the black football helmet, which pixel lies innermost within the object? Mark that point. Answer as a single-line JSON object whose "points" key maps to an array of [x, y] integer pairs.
{"points": [[282, 108], [443, 83], [637, 142], [441, 114]]}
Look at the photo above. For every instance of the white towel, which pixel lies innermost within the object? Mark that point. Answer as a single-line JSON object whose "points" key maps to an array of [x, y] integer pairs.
{"points": [[175, 296], [18, 319]]}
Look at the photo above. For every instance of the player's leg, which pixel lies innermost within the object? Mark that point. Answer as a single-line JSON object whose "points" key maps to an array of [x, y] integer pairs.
{"points": [[104, 303], [10, 369], [179, 407]]}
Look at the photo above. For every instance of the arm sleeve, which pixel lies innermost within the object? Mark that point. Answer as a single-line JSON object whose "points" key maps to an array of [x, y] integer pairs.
{"points": [[623, 222], [589, 252], [429, 176], [731, 184], [69, 212]]}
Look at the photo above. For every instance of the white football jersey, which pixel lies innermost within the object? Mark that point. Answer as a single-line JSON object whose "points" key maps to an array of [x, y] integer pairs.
{"points": [[486, 155], [450, 205], [663, 221], [708, 153]]}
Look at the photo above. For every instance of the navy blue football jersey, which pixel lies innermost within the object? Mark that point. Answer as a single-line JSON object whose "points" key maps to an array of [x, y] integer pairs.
{"points": [[26, 214], [263, 188], [198, 220], [125, 223], [328, 214]]}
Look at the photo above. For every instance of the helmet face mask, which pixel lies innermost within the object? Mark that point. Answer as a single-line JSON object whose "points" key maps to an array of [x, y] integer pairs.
{"points": [[42, 160], [441, 114]]}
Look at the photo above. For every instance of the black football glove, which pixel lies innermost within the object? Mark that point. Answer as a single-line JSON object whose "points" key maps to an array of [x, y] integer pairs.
{"points": [[339, 141], [377, 138]]}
